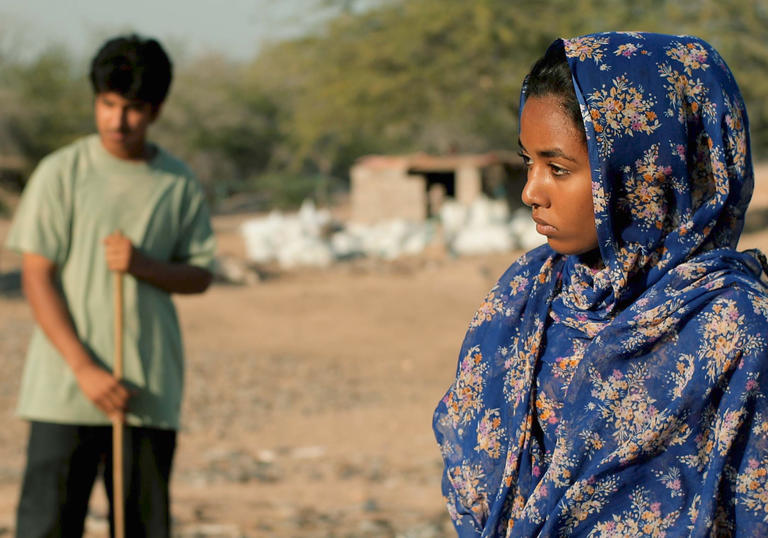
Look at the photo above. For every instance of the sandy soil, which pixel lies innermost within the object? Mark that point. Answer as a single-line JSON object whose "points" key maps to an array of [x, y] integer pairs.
{"points": [[309, 395], [308, 402]]}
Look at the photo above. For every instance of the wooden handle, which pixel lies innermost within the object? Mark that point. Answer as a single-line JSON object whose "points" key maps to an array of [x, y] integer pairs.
{"points": [[118, 497], [117, 368]]}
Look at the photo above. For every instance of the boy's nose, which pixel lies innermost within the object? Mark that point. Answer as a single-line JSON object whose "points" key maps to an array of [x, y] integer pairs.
{"points": [[121, 119]]}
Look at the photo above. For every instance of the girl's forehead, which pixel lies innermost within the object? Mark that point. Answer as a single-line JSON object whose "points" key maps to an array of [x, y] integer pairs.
{"points": [[544, 118]]}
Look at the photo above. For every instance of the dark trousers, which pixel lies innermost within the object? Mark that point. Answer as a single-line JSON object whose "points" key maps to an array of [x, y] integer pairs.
{"points": [[63, 461]]}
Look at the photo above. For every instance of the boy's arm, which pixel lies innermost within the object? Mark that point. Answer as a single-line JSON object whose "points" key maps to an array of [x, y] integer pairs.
{"points": [[171, 277], [51, 313]]}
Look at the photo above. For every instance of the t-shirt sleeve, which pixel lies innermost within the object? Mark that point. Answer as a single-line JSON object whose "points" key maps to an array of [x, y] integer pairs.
{"points": [[196, 244], [41, 224]]}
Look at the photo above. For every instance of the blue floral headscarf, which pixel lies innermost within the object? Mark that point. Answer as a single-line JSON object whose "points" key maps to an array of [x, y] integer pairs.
{"points": [[664, 427]]}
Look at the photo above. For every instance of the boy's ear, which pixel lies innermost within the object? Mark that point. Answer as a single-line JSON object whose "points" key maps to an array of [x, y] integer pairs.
{"points": [[156, 111]]}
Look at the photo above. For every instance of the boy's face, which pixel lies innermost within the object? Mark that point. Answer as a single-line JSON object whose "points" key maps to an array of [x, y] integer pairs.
{"points": [[122, 124]]}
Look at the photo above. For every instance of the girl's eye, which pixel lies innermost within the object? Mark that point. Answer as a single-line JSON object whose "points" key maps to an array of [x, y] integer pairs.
{"points": [[558, 171]]}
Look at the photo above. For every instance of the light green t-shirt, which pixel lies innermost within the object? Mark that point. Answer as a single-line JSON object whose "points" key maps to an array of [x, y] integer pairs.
{"points": [[75, 198]]}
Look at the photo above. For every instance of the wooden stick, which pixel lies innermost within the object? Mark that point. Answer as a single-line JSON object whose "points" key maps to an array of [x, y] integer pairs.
{"points": [[118, 500]]}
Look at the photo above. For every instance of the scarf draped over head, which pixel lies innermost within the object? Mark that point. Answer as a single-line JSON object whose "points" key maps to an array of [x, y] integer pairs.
{"points": [[664, 427]]}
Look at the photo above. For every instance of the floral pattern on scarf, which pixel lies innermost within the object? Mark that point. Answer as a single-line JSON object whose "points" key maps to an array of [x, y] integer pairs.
{"points": [[661, 424]]}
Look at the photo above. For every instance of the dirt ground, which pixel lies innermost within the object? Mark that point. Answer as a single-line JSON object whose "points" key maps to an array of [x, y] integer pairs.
{"points": [[309, 395]]}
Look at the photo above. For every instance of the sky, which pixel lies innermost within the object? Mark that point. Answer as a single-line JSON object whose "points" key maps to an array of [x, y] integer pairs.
{"points": [[235, 28]]}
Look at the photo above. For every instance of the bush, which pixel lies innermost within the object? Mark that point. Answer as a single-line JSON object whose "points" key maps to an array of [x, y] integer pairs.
{"points": [[277, 190]]}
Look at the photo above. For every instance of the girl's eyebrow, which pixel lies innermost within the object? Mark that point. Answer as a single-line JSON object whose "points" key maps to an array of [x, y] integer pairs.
{"points": [[553, 153]]}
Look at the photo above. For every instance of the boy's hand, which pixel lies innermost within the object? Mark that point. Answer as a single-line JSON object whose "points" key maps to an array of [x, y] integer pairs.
{"points": [[171, 277], [101, 387], [120, 253]]}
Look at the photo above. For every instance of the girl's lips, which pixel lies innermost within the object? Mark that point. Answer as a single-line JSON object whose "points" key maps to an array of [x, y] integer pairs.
{"points": [[543, 227]]}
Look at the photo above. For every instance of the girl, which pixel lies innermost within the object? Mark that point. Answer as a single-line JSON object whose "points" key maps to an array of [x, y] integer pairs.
{"points": [[614, 381]]}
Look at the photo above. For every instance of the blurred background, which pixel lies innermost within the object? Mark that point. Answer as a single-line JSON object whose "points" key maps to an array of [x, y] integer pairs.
{"points": [[359, 157]]}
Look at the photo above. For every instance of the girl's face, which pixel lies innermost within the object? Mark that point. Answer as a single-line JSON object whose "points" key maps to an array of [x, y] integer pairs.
{"points": [[559, 185]]}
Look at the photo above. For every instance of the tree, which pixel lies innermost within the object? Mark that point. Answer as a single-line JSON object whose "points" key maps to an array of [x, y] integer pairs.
{"points": [[437, 75], [45, 103], [223, 127]]}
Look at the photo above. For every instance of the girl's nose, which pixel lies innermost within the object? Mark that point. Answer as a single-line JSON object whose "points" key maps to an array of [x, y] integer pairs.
{"points": [[533, 193]]}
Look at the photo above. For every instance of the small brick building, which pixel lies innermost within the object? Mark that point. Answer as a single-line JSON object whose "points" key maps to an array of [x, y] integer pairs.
{"points": [[413, 187]]}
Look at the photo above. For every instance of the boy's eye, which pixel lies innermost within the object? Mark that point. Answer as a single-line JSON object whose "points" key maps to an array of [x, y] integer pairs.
{"points": [[525, 158]]}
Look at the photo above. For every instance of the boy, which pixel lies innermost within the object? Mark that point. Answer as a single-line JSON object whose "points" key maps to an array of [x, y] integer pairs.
{"points": [[107, 202]]}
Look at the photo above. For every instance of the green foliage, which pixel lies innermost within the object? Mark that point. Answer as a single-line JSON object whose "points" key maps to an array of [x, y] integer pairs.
{"points": [[45, 104], [281, 190], [443, 75], [384, 76], [223, 127]]}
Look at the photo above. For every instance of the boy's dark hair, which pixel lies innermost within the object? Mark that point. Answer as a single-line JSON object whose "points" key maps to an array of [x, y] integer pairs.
{"points": [[551, 76], [133, 67]]}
